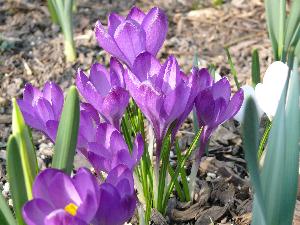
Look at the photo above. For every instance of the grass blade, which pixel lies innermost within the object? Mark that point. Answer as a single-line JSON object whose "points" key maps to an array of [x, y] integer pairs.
{"points": [[16, 178], [6, 216], [232, 68], [255, 71], [66, 140], [26, 148]]}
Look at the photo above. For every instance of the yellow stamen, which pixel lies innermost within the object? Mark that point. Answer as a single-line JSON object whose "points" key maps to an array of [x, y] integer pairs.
{"points": [[71, 208]]}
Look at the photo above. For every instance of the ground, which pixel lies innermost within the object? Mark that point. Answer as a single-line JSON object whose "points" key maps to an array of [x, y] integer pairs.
{"points": [[31, 50]]}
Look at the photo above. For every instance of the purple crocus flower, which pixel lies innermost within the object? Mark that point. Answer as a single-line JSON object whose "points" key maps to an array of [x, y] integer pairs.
{"points": [[42, 109], [197, 81], [109, 149], [59, 199], [105, 91], [162, 92], [117, 198], [214, 106], [127, 37]]}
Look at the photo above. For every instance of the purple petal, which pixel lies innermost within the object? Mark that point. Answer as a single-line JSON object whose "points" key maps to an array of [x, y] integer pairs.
{"points": [[61, 217], [233, 106], [88, 190], [118, 174], [170, 72], [107, 42], [44, 110], [145, 66], [99, 77], [117, 142], [87, 90], [116, 73], [221, 89], [31, 94], [29, 115], [155, 25], [138, 148], [136, 14], [53, 93], [35, 211], [114, 20], [131, 40], [114, 105], [52, 127], [52, 181]]}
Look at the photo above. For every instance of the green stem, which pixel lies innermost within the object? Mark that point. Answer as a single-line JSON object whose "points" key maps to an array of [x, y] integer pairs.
{"points": [[264, 139]]}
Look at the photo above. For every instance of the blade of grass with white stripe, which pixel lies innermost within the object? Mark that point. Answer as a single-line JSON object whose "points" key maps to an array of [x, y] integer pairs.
{"points": [[26, 148], [66, 140]]}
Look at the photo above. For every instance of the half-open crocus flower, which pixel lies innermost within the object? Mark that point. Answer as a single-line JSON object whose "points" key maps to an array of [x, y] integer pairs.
{"points": [[109, 149], [197, 80], [105, 91], [248, 92], [160, 91], [59, 199], [127, 37], [268, 93], [42, 109], [214, 106], [117, 198]]}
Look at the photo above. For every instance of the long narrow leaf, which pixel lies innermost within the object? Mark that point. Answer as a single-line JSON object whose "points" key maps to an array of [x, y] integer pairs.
{"points": [[293, 22], [66, 139], [16, 178], [255, 71], [6, 216], [251, 143], [26, 148], [292, 135], [273, 171]]}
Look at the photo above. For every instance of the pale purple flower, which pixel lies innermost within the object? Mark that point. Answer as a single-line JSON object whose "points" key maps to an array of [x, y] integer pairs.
{"points": [[117, 198], [60, 200], [42, 109], [214, 105], [126, 38], [109, 149], [162, 92], [105, 91]]}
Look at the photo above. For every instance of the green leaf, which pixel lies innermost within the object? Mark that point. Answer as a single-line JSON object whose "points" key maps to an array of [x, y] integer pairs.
{"points": [[16, 178], [292, 22], [6, 216], [251, 143], [292, 148], [66, 139], [232, 68], [52, 12], [297, 52], [255, 72], [26, 148], [180, 165]]}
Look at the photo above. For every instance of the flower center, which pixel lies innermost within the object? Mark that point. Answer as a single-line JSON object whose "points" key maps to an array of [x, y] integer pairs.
{"points": [[71, 208]]}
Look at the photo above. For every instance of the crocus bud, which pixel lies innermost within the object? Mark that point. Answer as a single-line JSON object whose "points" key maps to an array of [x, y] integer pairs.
{"points": [[268, 93]]}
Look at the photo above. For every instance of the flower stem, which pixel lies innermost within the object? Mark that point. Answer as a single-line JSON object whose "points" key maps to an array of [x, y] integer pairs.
{"points": [[70, 51]]}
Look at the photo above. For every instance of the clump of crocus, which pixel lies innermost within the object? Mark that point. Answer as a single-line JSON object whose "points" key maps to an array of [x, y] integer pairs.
{"points": [[42, 109], [109, 149], [105, 91], [59, 199], [127, 37], [161, 92], [117, 198]]}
